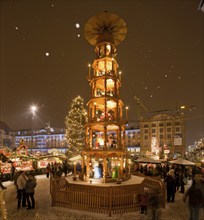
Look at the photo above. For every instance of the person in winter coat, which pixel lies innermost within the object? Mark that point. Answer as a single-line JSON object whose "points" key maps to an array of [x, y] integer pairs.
{"points": [[48, 169], [170, 186], [155, 204], [21, 183], [30, 189], [195, 199], [143, 199]]}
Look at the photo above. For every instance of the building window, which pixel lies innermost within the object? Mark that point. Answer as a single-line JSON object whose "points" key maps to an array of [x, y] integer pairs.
{"points": [[169, 136], [161, 124], [145, 131], [145, 125], [153, 125], [145, 137], [178, 129], [161, 136], [161, 143], [161, 130], [168, 129], [153, 130], [177, 123], [168, 124]]}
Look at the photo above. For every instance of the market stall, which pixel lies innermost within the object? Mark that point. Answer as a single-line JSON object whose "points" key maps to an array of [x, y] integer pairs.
{"points": [[43, 161], [5, 167], [21, 160]]}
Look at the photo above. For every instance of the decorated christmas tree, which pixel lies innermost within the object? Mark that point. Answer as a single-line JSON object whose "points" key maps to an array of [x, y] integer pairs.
{"points": [[75, 131]]}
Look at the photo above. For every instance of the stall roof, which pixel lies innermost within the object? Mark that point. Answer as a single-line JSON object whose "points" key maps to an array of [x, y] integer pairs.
{"points": [[182, 161], [147, 160]]}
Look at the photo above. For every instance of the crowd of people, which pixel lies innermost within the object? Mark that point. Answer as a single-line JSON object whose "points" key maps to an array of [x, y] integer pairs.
{"points": [[57, 169], [176, 177], [26, 182]]}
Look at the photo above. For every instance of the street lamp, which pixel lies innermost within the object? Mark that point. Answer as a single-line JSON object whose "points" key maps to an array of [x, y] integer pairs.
{"points": [[33, 109], [126, 111]]}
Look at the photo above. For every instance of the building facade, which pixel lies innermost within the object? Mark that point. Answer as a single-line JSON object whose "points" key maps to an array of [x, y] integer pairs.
{"points": [[132, 140], [163, 134], [42, 139], [7, 137], [160, 134]]}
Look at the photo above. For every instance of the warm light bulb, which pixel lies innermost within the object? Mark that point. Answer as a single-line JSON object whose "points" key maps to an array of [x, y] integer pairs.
{"points": [[33, 108]]}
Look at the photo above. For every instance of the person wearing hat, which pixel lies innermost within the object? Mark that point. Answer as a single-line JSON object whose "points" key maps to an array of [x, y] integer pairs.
{"points": [[30, 189]]}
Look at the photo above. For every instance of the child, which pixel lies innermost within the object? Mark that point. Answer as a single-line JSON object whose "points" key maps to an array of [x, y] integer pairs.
{"points": [[143, 203]]}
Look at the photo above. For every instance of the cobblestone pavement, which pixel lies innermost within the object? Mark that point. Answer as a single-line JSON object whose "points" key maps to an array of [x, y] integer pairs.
{"points": [[43, 211]]}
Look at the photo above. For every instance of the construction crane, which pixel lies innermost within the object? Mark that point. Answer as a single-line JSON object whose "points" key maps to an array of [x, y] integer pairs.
{"points": [[140, 107], [179, 109]]}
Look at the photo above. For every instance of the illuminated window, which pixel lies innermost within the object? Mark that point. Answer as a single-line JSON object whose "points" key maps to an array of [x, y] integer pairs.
{"points": [[101, 65], [109, 65]]}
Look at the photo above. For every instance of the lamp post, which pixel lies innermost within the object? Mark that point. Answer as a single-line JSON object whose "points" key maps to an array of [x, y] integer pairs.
{"points": [[89, 72], [120, 75], [126, 110], [33, 110], [74, 178]]}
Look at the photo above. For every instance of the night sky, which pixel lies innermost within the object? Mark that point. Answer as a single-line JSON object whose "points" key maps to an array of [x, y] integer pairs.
{"points": [[45, 56]]}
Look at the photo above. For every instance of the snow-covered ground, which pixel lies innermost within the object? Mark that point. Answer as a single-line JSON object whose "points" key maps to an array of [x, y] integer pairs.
{"points": [[43, 211]]}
